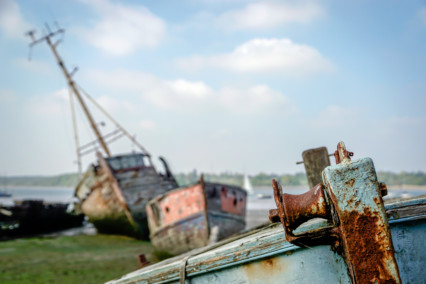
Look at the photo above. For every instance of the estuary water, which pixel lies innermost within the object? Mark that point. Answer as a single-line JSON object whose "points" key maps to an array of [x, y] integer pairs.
{"points": [[258, 204], [260, 200]]}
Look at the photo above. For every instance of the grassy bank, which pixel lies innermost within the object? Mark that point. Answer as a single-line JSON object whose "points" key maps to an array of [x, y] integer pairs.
{"points": [[77, 259]]}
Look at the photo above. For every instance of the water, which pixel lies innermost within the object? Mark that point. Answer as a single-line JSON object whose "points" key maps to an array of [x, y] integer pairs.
{"points": [[65, 195], [257, 208], [254, 203], [48, 194]]}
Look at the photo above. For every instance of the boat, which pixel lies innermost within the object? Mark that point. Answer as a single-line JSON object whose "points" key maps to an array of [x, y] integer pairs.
{"points": [[30, 216], [247, 185], [115, 189], [195, 216], [340, 231], [114, 192], [263, 196]]}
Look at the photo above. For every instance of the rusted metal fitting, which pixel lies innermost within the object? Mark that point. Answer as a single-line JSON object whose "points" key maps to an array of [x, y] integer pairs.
{"points": [[352, 203], [273, 216], [383, 188], [142, 260], [341, 154], [297, 209]]}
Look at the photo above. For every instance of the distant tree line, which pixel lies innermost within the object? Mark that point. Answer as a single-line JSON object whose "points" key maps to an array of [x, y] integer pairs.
{"points": [[261, 179], [298, 179], [59, 180]]}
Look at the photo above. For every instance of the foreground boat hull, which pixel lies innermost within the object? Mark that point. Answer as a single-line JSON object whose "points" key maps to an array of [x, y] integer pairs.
{"points": [[263, 256], [195, 216]]}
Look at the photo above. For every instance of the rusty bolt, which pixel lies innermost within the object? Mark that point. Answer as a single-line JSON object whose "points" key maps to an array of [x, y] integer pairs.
{"points": [[383, 189], [273, 216], [142, 260]]}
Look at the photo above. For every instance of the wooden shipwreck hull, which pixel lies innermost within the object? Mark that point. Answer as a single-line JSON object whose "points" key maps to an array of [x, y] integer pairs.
{"points": [[194, 216], [114, 193]]}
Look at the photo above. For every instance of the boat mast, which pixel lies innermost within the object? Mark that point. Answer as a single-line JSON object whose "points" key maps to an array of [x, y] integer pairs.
{"points": [[70, 81]]}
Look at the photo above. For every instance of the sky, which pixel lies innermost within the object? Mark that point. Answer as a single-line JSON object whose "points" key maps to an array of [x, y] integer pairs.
{"points": [[213, 85]]}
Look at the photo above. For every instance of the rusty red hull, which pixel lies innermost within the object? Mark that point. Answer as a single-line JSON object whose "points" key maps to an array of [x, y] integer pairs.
{"points": [[114, 194], [193, 217]]}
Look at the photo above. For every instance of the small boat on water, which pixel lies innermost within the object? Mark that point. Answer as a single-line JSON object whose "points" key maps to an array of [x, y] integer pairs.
{"points": [[263, 196], [338, 232], [114, 191], [195, 216], [36, 216], [247, 185]]}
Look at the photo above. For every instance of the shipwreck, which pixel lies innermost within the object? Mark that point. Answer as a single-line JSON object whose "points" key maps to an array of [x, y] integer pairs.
{"points": [[114, 191], [195, 216]]}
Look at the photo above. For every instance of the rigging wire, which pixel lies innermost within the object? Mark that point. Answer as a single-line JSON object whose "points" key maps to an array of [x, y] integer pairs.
{"points": [[113, 121]]}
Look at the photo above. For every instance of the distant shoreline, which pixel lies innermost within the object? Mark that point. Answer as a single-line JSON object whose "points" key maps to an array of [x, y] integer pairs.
{"points": [[26, 186]]}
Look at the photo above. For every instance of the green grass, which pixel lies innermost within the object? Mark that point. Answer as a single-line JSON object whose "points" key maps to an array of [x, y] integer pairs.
{"points": [[76, 259]]}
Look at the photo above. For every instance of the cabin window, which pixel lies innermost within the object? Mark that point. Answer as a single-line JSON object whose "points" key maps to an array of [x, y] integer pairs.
{"points": [[126, 162]]}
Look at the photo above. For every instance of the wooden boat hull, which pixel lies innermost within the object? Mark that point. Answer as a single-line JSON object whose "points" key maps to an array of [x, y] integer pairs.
{"points": [[114, 197], [36, 216], [193, 217], [263, 256]]}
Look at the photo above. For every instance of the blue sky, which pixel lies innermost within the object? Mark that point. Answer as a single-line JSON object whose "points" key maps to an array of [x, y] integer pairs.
{"points": [[242, 86]]}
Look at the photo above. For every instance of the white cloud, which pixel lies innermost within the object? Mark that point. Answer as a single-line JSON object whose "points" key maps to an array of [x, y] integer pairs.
{"points": [[263, 15], [123, 29], [51, 105], [113, 105], [12, 23], [181, 95], [254, 99], [263, 55], [335, 117], [147, 124]]}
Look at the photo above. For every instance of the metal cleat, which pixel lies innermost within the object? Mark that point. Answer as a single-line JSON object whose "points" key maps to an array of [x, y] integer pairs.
{"points": [[350, 199]]}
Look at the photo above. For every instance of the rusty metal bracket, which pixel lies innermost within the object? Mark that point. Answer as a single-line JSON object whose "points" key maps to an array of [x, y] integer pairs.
{"points": [[351, 201]]}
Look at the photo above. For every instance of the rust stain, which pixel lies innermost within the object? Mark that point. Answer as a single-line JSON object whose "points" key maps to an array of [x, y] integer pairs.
{"points": [[350, 182], [264, 269], [367, 247]]}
